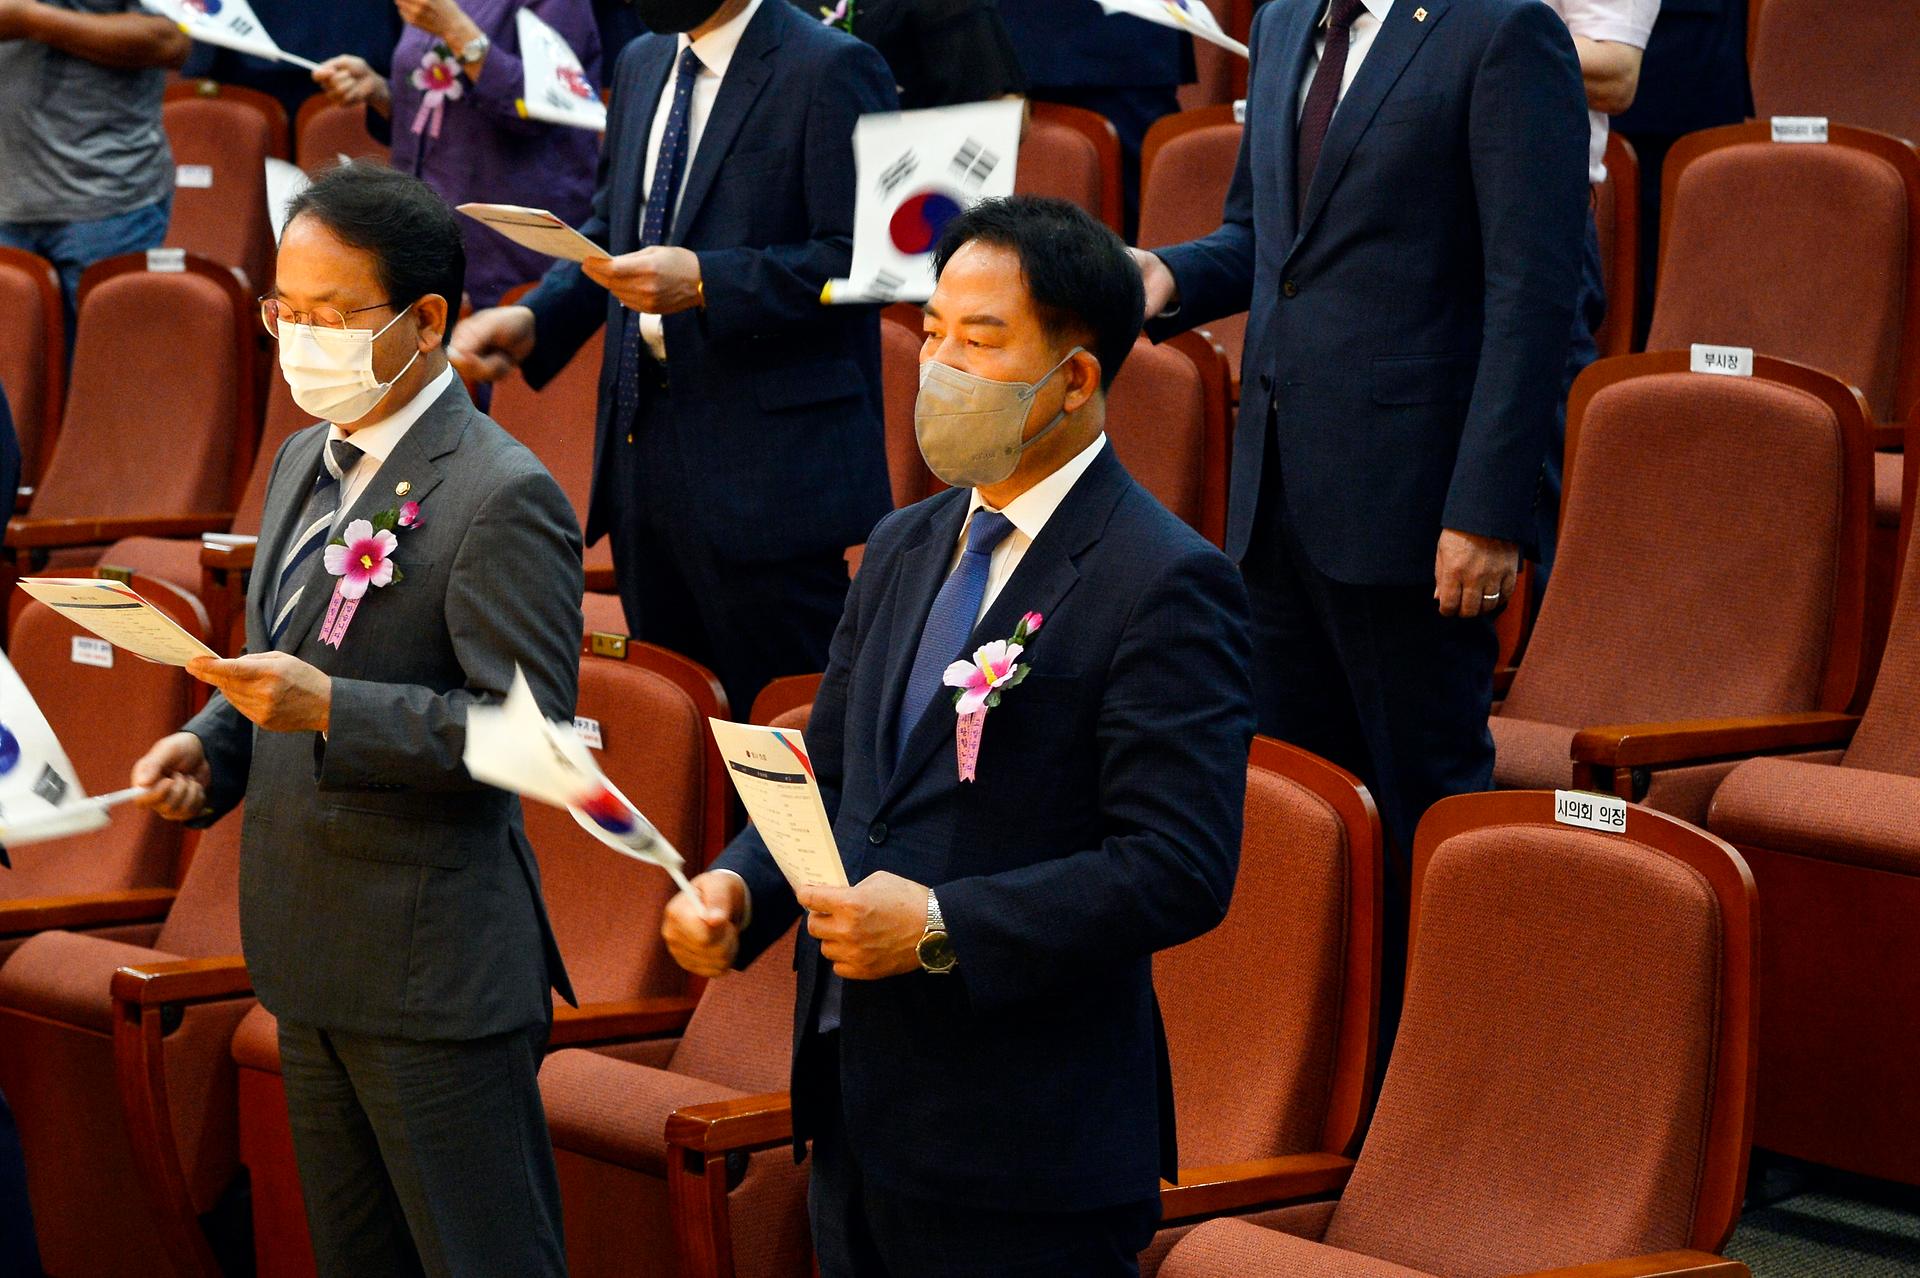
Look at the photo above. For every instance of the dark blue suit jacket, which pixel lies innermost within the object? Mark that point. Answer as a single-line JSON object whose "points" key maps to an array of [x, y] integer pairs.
{"points": [[775, 397], [1104, 825], [1074, 44], [1411, 325]]}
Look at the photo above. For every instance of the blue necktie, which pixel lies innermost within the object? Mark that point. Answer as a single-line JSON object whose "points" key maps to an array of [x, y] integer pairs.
{"points": [[668, 168], [316, 527]]}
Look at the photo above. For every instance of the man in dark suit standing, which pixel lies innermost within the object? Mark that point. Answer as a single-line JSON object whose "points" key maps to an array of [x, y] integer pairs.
{"points": [[1405, 226], [739, 446], [390, 907], [978, 1056]]}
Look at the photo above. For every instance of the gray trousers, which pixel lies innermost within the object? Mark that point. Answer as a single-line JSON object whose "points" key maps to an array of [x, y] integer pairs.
{"points": [[423, 1158]]}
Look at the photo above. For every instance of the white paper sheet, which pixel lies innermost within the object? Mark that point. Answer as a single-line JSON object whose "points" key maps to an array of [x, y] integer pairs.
{"points": [[284, 181], [556, 86], [537, 229], [513, 746], [917, 171], [230, 24], [1190, 16], [112, 610], [771, 770], [40, 795]]}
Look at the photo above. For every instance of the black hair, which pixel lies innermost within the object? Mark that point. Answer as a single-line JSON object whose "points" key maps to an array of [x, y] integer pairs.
{"points": [[1083, 282], [410, 231]]}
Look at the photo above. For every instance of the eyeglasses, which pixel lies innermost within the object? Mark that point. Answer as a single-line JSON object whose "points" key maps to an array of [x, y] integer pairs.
{"points": [[273, 311]]}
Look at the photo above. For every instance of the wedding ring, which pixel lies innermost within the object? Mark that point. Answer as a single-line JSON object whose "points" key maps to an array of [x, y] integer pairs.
{"points": [[1492, 597]]}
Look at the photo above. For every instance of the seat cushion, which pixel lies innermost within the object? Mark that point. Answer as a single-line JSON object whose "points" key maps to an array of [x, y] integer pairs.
{"points": [[1842, 814], [1235, 1249], [68, 976], [171, 559], [256, 1043], [617, 1111], [1531, 756]]}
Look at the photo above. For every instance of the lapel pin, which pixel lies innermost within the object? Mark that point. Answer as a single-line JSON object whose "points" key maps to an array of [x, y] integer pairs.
{"points": [[1419, 15], [402, 488]]}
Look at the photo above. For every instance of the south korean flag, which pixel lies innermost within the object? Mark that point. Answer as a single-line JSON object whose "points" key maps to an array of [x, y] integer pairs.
{"points": [[918, 170], [230, 24], [556, 89], [40, 796]]}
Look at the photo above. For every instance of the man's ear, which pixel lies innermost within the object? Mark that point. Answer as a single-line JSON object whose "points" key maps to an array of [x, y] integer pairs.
{"points": [[431, 313], [1083, 380]]}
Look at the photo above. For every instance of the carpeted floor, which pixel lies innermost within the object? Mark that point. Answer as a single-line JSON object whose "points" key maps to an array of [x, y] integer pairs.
{"points": [[1832, 1231]]}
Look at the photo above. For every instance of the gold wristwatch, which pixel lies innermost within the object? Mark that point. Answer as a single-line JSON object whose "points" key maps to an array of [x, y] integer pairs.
{"points": [[936, 950]]}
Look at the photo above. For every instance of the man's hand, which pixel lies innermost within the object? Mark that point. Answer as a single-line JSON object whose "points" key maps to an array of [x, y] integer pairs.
{"points": [[662, 280], [441, 18], [1162, 290], [704, 938], [276, 690], [349, 81], [1473, 574], [489, 344], [176, 777], [871, 930]]}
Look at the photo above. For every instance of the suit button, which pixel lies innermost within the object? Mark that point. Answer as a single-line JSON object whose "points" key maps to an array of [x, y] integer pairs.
{"points": [[1266, 383], [1290, 288], [877, 833]]}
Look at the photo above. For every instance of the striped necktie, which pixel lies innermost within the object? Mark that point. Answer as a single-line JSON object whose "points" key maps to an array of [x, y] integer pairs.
{"points": [[316, 526]]}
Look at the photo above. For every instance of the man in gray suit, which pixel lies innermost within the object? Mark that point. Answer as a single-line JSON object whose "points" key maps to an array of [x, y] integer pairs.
{"points": [[411, 554]]}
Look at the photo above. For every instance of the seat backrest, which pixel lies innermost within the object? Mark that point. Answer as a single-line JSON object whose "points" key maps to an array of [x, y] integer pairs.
{"points": [[1186, 166], [1616, 212], [655, 747], [134, 401], [1167, 419], [104, 718], [1573, 1076], [741, 1034], [1863, 70], [205, 919], [1272, 1058], [556, 422], [1072, 154], [271, 111], [1806, 252], [33, 353], [220, 147], [899, 388], [1888, 739], [284, 419], [782, 695], [1712, 547], [324, 132]]}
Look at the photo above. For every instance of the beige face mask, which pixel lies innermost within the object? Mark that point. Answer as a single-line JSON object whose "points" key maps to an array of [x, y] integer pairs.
{"points": [[969, 427]]}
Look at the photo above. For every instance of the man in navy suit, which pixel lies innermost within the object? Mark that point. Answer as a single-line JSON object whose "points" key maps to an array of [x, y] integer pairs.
{"points": [[978, 1059], [738, 449], [1406, 227]]}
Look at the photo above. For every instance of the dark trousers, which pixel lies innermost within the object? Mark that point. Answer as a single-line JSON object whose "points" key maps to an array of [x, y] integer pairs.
{"points": [[1588, 314], [749, 623], [423, 1158], [861, 1230], [19, 1257]]}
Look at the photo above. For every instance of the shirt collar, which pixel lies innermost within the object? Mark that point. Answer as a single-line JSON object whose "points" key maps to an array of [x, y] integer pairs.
{"points": [[378, 440], [1030, 511], [715, 48], [1378, 8]]}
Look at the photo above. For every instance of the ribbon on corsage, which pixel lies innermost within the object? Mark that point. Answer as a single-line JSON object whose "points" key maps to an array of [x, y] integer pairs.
{"points": [[995, 668], [360, 557], [438, 79]]}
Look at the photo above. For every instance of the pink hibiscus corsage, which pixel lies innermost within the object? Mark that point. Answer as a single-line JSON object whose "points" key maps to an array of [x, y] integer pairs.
{"points": [[362, 557], [438, 80], [995, 668]]}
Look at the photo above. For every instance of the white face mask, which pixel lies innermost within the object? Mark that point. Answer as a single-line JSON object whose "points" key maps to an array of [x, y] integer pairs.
{"points": [[969, 427], [330, 370]]}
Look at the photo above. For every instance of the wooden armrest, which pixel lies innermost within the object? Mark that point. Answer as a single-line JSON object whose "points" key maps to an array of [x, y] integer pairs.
{"points": [[627, 1019], [1210, 1191], [1889, 437], [22, 499], [182, 981], [1503, 680], [46, 913], [46, 534], [749, 1122], [1666, 1264], [228, 552], [1632, 745], [600, 580]]}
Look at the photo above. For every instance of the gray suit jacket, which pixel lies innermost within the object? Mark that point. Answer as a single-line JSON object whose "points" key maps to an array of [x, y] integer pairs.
{"points": [[382, 890]]}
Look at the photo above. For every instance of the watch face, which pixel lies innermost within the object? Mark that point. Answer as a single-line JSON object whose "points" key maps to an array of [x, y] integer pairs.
{"points": [[936, 952]]}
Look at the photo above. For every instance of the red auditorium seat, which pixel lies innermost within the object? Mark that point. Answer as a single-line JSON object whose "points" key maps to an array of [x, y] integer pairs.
{"points": [[221, 136], [324, 132], [1219, 76], [1168, 419], [1571, 1089], [33, 354], [784, 696], [1864, 70], [1072, 154], [105, 1066], [1707, 599], [1616, 208], [900, 342], [105, 718], [1186, 166], [133, 401]]}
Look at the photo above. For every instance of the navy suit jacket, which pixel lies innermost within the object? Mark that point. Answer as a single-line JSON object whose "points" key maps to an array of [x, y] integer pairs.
{"points": [[775, 397], [1410, 326], [1104, 825]]}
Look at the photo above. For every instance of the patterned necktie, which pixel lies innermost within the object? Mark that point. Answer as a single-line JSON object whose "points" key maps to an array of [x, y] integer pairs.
{"points": [[1323, 96], [668, 168], [950, 621], [316, 526]]}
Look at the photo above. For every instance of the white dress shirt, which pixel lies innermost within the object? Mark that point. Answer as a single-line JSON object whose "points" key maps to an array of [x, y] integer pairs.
{"points": [[1359, 39], [377, 442], [1627, 22], [1029, 512], [715, 51]]}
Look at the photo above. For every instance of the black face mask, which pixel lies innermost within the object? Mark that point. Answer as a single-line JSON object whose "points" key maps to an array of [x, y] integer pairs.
{"points": [[671, 17]]}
